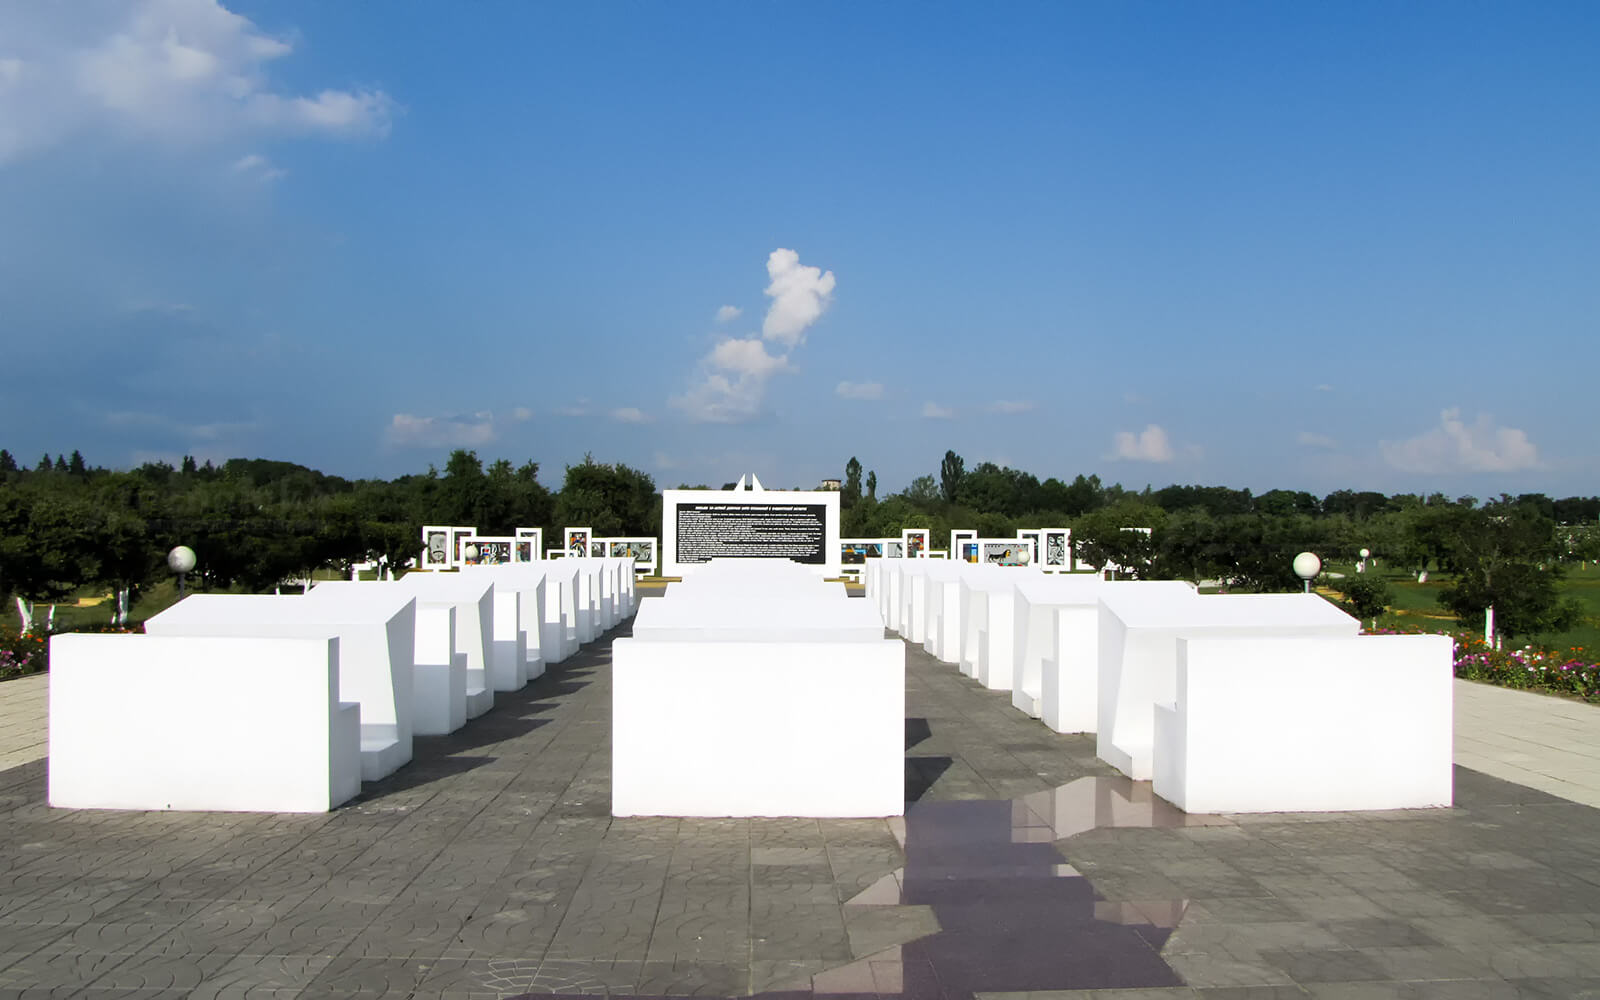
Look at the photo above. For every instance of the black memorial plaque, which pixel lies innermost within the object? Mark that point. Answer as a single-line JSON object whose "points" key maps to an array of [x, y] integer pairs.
{"points": [[709, 531]]}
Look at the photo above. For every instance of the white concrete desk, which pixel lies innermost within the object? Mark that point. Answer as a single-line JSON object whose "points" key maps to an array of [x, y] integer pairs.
{"points": [[1037, 632], [756, 617], [1308, 724], [717, 728], [988, 622], [472, 597], [376, 651], [559, 638], [1138, 636], [942, 610], [232, 723], [518, 622], [1057, 654], [587, 597]]}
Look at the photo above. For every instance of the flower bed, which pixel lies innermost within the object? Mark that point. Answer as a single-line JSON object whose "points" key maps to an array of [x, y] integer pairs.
{"points": [[22, 654], [29, 653], [1570, 671]]}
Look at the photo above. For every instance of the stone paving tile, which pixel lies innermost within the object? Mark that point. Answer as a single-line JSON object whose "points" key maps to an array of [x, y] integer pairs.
{"points": [[490, 867]]}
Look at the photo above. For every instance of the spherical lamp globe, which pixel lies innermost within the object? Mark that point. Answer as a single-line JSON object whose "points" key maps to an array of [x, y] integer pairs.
{"points": [[181, 559], [1306, 566]]}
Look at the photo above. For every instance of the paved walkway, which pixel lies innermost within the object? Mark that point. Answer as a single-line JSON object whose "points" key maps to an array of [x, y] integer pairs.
{"points": [[24, 715], [1552, 744], [490, 867], [1548, 743]]}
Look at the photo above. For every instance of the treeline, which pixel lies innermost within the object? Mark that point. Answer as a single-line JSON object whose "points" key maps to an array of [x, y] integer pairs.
{"points": [[1507, 552], [254, 523]]}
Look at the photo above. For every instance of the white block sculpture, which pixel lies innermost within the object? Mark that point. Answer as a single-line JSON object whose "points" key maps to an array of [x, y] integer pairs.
{"points": [[227, 723], [559, 639], [376, 634], [736, 676], [528, 580], [742, 713], [943, 611], [1057, 652], [1308, 725], [472, 595], [1138, 637]]}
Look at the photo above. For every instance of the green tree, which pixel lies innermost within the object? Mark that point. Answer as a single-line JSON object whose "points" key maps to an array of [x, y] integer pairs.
{"points": [[850, 490], [951, 471], [1504, 556], [872, 486], [1366, 595]]}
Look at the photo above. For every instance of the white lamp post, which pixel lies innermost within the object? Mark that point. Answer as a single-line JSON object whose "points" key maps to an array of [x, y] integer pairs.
{"points": [[181, 560], [1306, 566]]}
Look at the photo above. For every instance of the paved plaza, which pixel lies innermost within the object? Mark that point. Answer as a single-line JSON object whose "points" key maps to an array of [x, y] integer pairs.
{"points": [[490, 867]]}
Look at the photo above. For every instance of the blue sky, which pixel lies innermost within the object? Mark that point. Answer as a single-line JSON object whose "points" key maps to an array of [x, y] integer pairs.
{"points": [[1310, 246]]}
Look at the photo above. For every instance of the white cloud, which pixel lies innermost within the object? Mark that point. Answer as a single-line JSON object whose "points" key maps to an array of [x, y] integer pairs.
{"points": [[257, 166], [800, 294], [1149, 445], [732, 382], [662, 460], [169, 71], [933, 411], [1011, 405], [717, 399], [522, 414], [1309, 439], [630, 415], [1324, 387], [578, 409], [746, 357], [457, 431], [859, 390], [1455, 446], [727, 314]]}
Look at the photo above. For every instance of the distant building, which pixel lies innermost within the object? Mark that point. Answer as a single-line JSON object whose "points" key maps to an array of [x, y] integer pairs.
{"points": [[831, 484]]}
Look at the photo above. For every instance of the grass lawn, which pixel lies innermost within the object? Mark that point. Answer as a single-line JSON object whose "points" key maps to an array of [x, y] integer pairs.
{"points": [[1417, 604]]}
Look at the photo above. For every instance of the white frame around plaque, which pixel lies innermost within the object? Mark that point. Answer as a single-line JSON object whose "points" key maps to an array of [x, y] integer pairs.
{"points": [[432, 529], [525, 534], [509, 541], [959, 535], [566, 540], [915, 552], [649, 566], [458, 535], [855, 568], [1035, 539], [983, 550], [827, 499], [1044, 563]]}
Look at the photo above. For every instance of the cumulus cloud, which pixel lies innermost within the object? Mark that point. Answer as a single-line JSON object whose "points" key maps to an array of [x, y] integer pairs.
{"points": [[1308, 439], [1011, 406], [728, 314], [859, 390], [731, 384], [746, 357], [630, 415], [406, 430], [1149, 445], [521, 414], [1456, 446], [933, 411], [800, 295], [185, 71], [257, 166]]}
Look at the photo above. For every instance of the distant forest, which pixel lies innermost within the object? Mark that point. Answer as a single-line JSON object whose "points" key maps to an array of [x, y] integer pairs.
{"points": [[254, 523]]}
